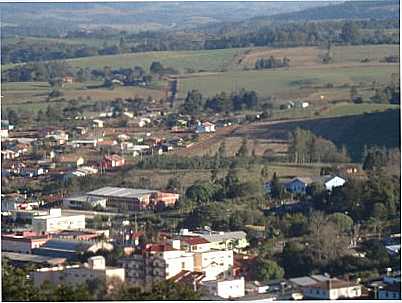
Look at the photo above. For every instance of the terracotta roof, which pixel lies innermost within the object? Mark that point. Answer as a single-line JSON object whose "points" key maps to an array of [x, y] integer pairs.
{"points": [[194, 240], [114, 157], [187, 276], [158, 248]]}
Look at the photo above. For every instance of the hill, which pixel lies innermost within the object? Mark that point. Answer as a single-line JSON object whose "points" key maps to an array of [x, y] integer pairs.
{"points": [[382, 129], [386, 9]]}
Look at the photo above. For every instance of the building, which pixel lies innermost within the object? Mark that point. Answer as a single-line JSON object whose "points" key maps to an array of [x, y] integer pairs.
{"points": [[60, 136], [84, 202], [299, 185], [332, 289], [219, 240], [226, 288], [71, 249], [78, 274], [113, 161], [205, 127], [72, 161], [97, 123], [55, 221], [213, 263], [123, 198], [18, 259], [157, 262], [22, 242]]}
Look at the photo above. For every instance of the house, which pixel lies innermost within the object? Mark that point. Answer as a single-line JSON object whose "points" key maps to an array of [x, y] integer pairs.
{"points": [[113, 161], [55, 221], [213, 263], [78, 274], [298, 185], [22, 242], [330, 182], [332, 289], [60, 136], [72, 161], [97, 123], [194, 243], [33, 172], [189, 278], [85, 171], [225, 288], [68, 79], [390, 292], [9, 154], [70, 249], [205, 127]]}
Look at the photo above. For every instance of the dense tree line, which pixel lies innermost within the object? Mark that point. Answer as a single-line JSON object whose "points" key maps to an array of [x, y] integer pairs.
{"points": [[271, 62], [194, 102], [305, 147], [276, 35]]}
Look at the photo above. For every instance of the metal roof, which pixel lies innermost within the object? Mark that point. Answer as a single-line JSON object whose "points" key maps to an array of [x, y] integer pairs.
{"points": [[215, 237], [120, 192], [31, 258], [71, 245]]}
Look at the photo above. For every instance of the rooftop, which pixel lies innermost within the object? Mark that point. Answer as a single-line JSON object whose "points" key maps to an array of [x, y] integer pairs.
{"points": [[31, 258], [120, 192]]}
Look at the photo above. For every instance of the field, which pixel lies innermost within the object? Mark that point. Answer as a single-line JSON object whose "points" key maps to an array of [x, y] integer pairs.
{"points": [[228, 70], [274, 82]]}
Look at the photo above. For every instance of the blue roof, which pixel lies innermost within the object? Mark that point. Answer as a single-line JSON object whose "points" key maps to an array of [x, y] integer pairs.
{"points": [[72, 245]]}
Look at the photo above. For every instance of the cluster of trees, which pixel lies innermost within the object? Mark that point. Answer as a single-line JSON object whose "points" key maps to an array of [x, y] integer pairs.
{"points": [[17, 287], [41, 71], [194, 103], [271, 62], [157, 68], [305, 147]]}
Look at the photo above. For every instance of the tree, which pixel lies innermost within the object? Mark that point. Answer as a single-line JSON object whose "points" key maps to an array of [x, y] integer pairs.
{"points": [[342, 221], [296, 260], [156, 67], [243, 150], [173, 185], [276, 187], [193, 103], [12, 117], [267, 270], [350, 33]]}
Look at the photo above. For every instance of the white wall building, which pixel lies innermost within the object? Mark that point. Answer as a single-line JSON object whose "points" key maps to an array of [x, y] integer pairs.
{"points": [[55, 221], [78, 274], [332, 289], [213, 263], [334, 182], [231, 288]]}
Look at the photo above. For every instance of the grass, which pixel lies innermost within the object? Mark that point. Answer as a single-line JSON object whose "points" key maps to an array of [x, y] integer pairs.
{"points": [[345, 109], [273, 82], [208, 60]]}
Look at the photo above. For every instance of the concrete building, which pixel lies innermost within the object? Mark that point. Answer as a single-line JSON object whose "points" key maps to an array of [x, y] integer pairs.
{"points": [[213, 263], [78, 274], [227, 288], [158, 262], [55, 221], [71, 249], [84, 202], [22, 242], [332, 289]]}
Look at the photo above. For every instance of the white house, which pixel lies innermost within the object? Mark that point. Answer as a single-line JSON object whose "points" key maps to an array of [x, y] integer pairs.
{"points": [[97, 123], [333, 181], [227, 289], [205, 127]]}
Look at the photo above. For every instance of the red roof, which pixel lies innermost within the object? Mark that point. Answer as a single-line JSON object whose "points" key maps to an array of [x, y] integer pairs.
{"points": [[194, 240], [158, 247]]}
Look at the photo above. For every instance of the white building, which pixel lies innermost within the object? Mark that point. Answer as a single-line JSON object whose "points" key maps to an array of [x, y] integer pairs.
{"points": [[332, 289], [227, 289], [333, 182], [55, 221], [205, 127], [84, 202], [213, 263], [97, 123], [78, 274]]}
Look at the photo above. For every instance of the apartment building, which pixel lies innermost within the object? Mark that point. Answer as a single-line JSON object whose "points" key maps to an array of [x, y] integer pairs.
{"points": [[22, 242]]}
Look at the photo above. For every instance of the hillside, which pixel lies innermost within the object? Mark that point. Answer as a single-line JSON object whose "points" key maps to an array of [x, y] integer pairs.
{"points": [[382, 129], [386, 9]]}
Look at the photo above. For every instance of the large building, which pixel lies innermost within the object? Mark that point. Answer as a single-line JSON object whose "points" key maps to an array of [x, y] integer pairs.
{"points": [[22, 242], [123, 199], [332, 289], [55, 221], [78, 274]]}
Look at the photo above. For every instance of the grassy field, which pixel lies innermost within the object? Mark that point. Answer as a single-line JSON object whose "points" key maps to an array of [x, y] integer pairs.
{"points": [[208, 60], [274, 82]]}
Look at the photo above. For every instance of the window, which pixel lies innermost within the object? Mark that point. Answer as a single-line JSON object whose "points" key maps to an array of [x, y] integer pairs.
{"points": [[183, 265]]}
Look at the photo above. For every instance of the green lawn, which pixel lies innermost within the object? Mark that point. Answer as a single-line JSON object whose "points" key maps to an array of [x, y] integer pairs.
{"points": [[345, 109]]}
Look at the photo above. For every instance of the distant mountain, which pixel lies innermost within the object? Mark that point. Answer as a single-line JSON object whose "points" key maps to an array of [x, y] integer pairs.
{"points": [[384, 9], [141, 15]]}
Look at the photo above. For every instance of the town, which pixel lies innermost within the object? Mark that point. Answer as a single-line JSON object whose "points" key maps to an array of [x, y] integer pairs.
{"points": [[188, 179]]}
